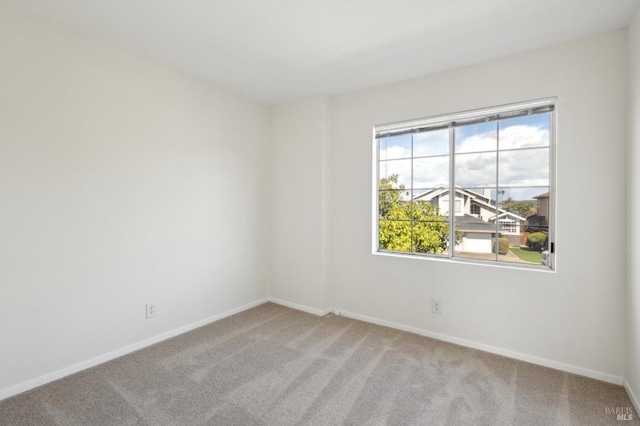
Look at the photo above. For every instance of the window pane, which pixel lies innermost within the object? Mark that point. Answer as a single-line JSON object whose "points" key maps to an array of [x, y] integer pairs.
{"points": [[525, 132], [479, 201], [396, 171], [394, 235], [528, 167], [437, 198], [435, 142], [395, 147], [394, 204], [430, 234], [540, 219], [475, 170], [474, 238], [476, 137], [395, 212], [516, 218], [430, 172], [521, 201]]}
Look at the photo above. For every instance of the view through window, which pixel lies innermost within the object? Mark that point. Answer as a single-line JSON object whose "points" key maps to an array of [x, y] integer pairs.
{"points": [[473, 185]]}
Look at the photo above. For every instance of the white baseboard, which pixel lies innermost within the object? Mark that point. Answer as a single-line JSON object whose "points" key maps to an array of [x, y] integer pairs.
{"points": [[47, 378], [303, 308], [463, 342], [492, 349], [632, 397], [39, 381]]}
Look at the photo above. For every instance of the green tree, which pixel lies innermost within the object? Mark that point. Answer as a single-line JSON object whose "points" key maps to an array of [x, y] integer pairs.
{"points": [[411, 226], [521, 208], [390, 194]]}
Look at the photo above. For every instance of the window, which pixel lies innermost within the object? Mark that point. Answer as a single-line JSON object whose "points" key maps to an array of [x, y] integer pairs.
{"points": [[498, 162], [445, 203], [508, 226]]}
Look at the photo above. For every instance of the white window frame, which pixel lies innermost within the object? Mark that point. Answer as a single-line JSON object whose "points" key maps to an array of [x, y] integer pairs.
{"points": [[442, 121]]}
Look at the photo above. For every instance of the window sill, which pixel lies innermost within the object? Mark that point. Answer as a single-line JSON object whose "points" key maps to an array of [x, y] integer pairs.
{"points": [[466, 261]]}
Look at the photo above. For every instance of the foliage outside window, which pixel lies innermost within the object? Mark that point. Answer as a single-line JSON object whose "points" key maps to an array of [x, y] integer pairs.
{"points": [[498, 162]]}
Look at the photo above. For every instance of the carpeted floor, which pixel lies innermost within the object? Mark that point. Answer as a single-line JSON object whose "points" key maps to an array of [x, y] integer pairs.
{"points": [[272, 365]]}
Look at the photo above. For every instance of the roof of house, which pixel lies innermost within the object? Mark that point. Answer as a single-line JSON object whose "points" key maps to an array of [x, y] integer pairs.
{"points": [[476, 197], [472, 223], [443, 189], [501, 215]]}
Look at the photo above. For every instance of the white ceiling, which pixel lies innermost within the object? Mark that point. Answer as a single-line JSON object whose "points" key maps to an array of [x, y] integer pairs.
{"points": [[278, 50]]}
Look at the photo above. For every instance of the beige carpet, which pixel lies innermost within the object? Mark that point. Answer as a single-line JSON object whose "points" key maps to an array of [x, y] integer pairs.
{"points": [[276, 366]]}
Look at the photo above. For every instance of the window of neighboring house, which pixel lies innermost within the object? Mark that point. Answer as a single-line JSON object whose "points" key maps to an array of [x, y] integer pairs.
{"points": [[445, 204], [508, 226], [499, 158]]}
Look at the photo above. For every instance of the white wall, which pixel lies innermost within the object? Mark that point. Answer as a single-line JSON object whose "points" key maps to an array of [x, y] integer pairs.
{"points": [[575, 316], [633, 296], [121, 182], [299, 142]]}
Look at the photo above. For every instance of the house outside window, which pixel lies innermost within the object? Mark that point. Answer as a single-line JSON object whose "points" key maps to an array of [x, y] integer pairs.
{"points": [[508, 226], [497, 162]]}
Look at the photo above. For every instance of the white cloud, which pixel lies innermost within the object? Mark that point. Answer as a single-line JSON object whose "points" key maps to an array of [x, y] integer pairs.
{"points": [[477, 142], [529, 167], [430, 172], [526, 165], [396, 152], [431, 143], [522, 136]]}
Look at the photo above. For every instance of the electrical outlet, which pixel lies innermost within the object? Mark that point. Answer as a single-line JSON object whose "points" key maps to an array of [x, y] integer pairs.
{"points": [[436, 306], [151, 310]]}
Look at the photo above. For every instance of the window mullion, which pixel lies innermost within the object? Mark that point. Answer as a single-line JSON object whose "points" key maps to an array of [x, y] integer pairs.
{"points": [[411, 210], [452, 191], [497, 242]]}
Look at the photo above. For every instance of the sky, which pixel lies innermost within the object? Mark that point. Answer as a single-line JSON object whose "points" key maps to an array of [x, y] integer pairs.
{"points": [[513, 153]]}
